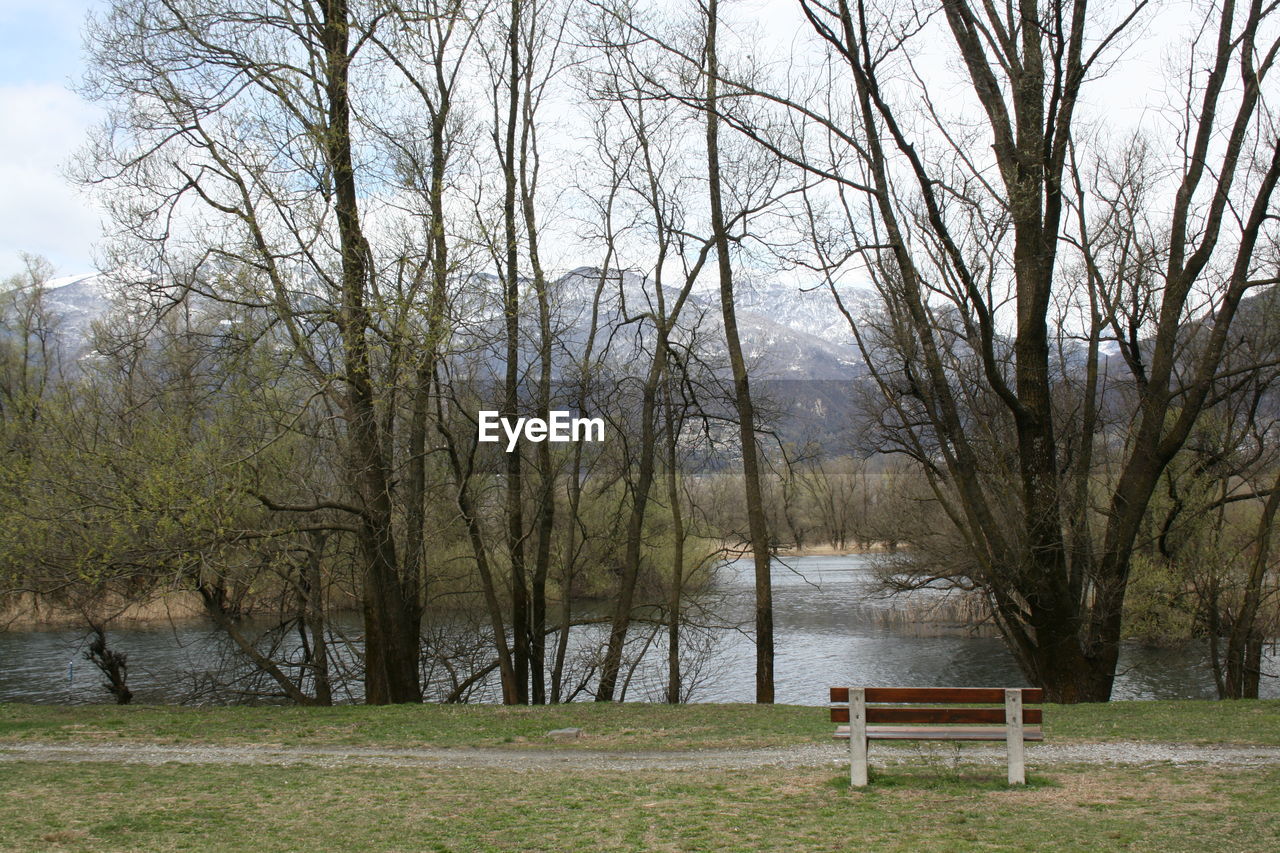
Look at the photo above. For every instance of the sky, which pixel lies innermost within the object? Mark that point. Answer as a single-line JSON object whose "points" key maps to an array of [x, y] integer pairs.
{"points": [[42, 124]]}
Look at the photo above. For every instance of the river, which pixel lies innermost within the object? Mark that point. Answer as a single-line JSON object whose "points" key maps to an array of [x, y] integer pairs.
{"points": [[831, 629]]}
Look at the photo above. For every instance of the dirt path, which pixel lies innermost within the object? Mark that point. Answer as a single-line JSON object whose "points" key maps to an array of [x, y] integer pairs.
{"points": [[809, 755]]}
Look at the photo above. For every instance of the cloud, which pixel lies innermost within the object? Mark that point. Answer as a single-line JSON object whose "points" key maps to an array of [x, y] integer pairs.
{"points": [[40, 211]]}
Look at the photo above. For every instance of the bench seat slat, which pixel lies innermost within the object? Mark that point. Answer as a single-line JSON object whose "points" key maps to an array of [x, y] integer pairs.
{"points": [[974, 733], [940, 695], [972, 716]]}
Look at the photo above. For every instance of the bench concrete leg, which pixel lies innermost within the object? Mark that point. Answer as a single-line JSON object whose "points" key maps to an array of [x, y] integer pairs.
{"points": [[1013, 736], [857, 737]]}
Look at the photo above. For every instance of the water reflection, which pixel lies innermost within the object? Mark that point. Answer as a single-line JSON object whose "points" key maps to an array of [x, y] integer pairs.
{"points": [[831, 628]]}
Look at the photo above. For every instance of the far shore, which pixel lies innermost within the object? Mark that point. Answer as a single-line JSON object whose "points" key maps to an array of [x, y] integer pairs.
{"points": [[828, 550], [825, 549], [35, 613]]}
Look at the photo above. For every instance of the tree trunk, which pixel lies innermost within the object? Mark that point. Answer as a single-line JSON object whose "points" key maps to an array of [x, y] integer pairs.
{"points": [[1244, 643], [609, 668], [511, 385], [391, 619], [544, 520], [674, 685], [475, 536], [756, 525], [314, 617]]}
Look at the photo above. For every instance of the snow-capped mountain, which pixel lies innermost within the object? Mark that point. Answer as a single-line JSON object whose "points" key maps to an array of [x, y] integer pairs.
{"points": [[796, 341], [787, 333], [810, 309], [77, 300]]}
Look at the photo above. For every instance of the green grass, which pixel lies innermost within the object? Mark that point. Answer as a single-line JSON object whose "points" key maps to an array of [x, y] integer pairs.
{"points": [[1255, 722], [932, 804], [615, 727], [164, 808], [626, 726]]}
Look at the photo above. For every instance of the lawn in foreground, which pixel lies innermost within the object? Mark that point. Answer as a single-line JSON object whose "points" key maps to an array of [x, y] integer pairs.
{"points": [[271, 808], [629, 726]]}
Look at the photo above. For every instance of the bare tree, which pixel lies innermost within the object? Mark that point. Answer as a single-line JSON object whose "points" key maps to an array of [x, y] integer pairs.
{"points": [[959, 257], [233, 139]]}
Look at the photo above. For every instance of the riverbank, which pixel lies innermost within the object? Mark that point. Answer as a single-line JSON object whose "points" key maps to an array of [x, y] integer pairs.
{"points": [[30, 612], [824, 549], [654, 778], [604, 726]]}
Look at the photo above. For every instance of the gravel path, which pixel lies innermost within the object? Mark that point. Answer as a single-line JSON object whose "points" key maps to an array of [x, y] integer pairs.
{"points": [[809, 755]]}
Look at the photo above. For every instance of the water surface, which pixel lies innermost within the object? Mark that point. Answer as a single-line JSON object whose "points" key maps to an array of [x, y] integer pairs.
{"points": [[831, 625]]}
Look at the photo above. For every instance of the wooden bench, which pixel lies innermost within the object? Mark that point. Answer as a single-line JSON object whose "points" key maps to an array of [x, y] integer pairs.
{"points": [[904, 719]]}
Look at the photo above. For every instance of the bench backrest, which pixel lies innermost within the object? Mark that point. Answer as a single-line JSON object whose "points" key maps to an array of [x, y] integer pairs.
{"points": [[898, 697]]}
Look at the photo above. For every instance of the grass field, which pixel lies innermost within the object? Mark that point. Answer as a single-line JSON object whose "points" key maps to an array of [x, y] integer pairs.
{"points": [[112, 807], [606, 726], [933, 805]]}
